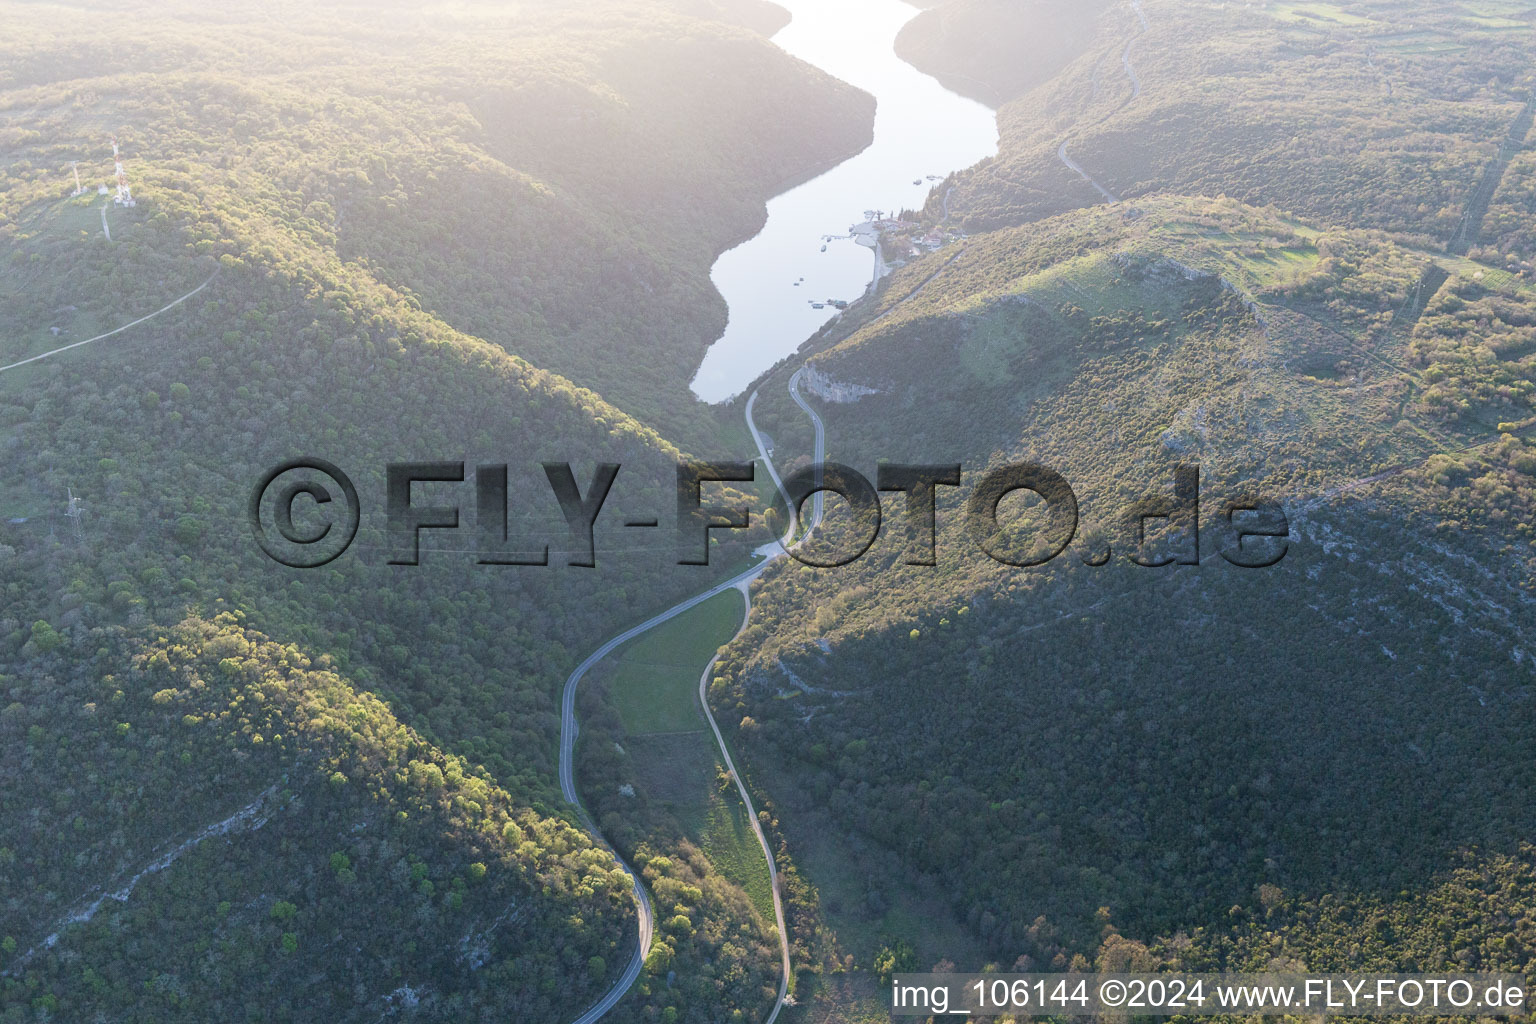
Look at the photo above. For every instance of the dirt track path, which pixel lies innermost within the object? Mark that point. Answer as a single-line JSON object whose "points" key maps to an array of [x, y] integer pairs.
{"points": [[168, 306], [1130, 73]]}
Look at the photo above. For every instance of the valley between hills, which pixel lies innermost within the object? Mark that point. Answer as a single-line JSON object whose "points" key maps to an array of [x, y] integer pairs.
{"points": [[1289, 242]]}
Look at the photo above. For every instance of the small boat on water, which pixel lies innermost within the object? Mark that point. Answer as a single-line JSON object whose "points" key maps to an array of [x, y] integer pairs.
{"points": [[823, 248], [818, 305], [917, 181]]}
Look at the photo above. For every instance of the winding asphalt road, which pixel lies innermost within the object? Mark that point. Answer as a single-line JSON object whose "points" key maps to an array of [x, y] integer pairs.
{"points": [[569, 728], [821, 446]]}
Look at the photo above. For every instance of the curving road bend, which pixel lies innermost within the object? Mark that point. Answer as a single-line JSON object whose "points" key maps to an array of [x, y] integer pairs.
{"points": [[569, 728], [821, 442], [1130, 73], [762, 450]]}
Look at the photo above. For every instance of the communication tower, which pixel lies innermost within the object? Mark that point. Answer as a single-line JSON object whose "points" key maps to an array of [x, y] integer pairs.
{"points": [[74, 511], [124, 193]]}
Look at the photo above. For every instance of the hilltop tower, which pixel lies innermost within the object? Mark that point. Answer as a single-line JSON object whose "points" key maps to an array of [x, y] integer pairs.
{"points": [[74, 511], [74, 165], [124, 193]]}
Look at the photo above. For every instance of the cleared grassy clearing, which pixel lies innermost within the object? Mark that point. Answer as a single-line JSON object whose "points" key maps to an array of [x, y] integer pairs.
{"points": [[655, 682], [1500, 24], [1316, 12], [654, 686], [1419, 42], [1253, 259], [1490, 277], [1096, 285], [731, 846]]}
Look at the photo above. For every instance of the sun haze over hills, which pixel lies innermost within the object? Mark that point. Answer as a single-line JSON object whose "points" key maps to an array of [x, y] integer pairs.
{"points": [[1284, 246]]}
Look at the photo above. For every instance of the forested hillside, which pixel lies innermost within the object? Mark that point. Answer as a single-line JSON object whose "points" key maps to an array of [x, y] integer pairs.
{"points": [[555, 181], [1032, 745], [368, 234], [996, 50], [1321, 764], [1287, 242], [1375, 114], [249, 816]]}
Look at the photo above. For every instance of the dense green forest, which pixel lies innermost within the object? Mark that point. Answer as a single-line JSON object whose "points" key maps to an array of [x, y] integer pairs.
{"points": [[331, 835], [1316, 288], [557, 183], [378, 233], [396, 235], [1176, 744]]}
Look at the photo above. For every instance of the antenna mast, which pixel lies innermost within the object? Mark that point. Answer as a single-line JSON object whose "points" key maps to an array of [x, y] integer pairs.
{"points": [[124, 193], [74, 165], [74, 511]]}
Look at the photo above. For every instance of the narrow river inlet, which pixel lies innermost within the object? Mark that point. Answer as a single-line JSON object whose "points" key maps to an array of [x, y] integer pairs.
{"points": [[804, 254]]}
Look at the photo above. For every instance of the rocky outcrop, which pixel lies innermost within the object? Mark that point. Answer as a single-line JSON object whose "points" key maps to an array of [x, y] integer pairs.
{"points": [[829, 390]]}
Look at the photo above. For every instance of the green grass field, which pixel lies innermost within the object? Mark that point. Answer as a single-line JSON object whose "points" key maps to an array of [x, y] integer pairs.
{"points": [[1490, 277], [1248, 258], [1093, 283], [655, 681], [654, 686], [730, 844], [1316, 12], [1498, 15], [1418, 42]]}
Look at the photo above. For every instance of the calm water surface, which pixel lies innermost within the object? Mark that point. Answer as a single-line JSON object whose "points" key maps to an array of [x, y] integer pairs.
{"points": [[921, 129]]}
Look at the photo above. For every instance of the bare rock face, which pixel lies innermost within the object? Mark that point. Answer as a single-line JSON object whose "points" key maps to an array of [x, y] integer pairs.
{"points": [[829, 390]]}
